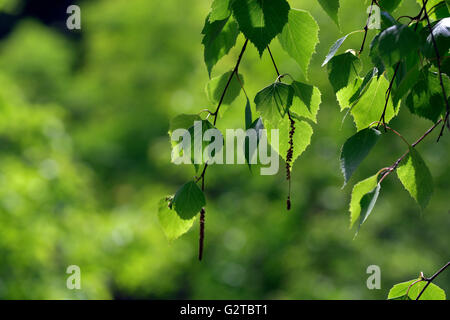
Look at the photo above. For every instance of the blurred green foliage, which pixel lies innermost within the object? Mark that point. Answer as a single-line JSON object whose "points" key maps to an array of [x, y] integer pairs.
{"points": [[85, 158]]}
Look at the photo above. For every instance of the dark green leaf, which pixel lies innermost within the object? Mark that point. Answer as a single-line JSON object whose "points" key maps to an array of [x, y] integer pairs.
{"points": [[387, 20], [343, 69], [407, 76], [189, 200], [219, 37], [261, 20], [394, 43], [441, 33], [426, 99], [356, 149], [215, 87], [389, 5]]}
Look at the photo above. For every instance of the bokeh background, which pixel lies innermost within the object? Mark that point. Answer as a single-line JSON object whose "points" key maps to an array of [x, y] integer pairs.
{"points": [[85, 158]]}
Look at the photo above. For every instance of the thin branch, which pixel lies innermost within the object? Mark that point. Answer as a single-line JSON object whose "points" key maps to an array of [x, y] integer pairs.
{"points": [[395, 165], [273, 61], [429, 280], [290, 151], [366, 28], [388, 94], [235, 71], [215, 114], [201, 239]]}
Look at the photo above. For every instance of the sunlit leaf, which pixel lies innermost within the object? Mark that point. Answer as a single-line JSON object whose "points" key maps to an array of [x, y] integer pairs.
{"points": [[400, 291], [300, 37], [416, 177], [359, 191], [171, 223]]}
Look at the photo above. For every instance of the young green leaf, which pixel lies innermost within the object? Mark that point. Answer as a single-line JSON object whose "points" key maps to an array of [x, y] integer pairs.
{"points": [[359, 191], [409, 291], [220, 10], [172, 225], [364, 86], [215, 87], [306, 100], [370, 106], [343, 69], [335, 47], [331, 7], [300, 37], [188, 200], [261, 20], [219, 37], [416, 177], [356, 149], [302, 137], [367, 204], [273, 101]]}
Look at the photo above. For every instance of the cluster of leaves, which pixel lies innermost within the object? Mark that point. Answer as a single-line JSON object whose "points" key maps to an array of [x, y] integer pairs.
{"points": [[291, 107], [410, 67]]}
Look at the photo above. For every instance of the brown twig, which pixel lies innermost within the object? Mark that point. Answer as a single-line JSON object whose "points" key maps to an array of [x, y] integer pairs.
{"points": [[366, 28], [395, 165]]}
